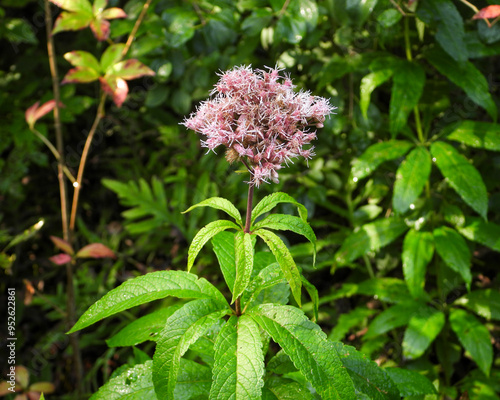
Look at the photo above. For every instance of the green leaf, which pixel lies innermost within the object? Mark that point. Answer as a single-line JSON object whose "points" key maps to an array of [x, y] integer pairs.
{"points": [[278, 388], [306, 345], [71, 22], [453, 249], [193, 381], [368, 85], [130, 69], [83, 59], [142, 329], [423, 328], [220, 204], [411, 177], [347, 321], [466, 76], [389, 18], [479, 231], [111, 55], [408, 84], [267, 279], [313, 294], [239, 361], [462, 176], [377, 154], [146, 288], [135, 383], [485, 303], [272, 200], [483, 135], [418, 249], [474, 337], [367, 376], [285, 222], [393, 317], [410, 383], [204, 235], [182, 329], [244, 263], [80, 75], [223, 244], [82, 6], [450, 26], [370, 237], [285, 260]]}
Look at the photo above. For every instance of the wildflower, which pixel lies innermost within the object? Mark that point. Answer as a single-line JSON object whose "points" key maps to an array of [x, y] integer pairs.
{"points": [[260, 119]]}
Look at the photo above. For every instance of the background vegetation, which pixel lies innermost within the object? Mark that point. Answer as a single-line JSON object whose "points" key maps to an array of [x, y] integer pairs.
{"points": [[403, 194]]}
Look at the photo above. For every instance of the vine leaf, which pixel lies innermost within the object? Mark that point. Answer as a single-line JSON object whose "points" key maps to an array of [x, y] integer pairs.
{"points": [[239, 361], [306, 345], [184, 327], [204, 235], [285, 260], [146, 288]]}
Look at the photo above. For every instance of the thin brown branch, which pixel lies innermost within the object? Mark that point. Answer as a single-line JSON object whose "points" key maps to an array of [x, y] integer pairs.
{"points": [[136, 28]]}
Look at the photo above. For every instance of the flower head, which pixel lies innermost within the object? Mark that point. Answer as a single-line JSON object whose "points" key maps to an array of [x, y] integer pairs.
{"points": [[260, 119]]}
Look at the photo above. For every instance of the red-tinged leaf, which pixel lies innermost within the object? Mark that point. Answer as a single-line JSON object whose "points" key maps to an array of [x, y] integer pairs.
{"points": [[81, 75], [22, 376], [68, 21], [115, 87], [131, 69], [42, 387], [60, 259], [34, 113], [99, 6], [100, 29], [77, 6], [488, 12], [113, 12], [95, 250], [111, 55], [82, 59], [63, 245]]}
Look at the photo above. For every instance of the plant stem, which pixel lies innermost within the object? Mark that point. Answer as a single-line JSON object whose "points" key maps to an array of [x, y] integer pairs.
{"points": [[249, 208], [70, 301], [131, 37]]}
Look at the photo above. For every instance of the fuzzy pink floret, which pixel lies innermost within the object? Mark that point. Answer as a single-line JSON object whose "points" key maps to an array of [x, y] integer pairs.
{"points": [[257, 116]]}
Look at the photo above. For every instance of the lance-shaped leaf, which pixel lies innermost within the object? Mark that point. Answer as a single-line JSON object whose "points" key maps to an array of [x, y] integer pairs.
{"points": [[193, 381], [377, 154], [285, 222], [410, 383], [411, 177], [95, 250], [453, 249], [462, 176], [367, 376], [479, 231], [394, 317], [285, 260], [483, 135], [485, 303], [61, 259], [35, 112], [278, 388], [239, 361], [219, 203], [370, 237], [407, 87], [135, 383], [474, 336], [466, 76], [204, 235], [306, 345], [142, 329], [184, 327], [368, 85], [418, 249], [243, 249], [223, 244], [62, 244], [268, 280], [423, 328], [146, 288], [272, 200], [313, 294]]}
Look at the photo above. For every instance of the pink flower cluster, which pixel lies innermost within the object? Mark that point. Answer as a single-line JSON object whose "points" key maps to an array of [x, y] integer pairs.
{"points": [[260, 119]]}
